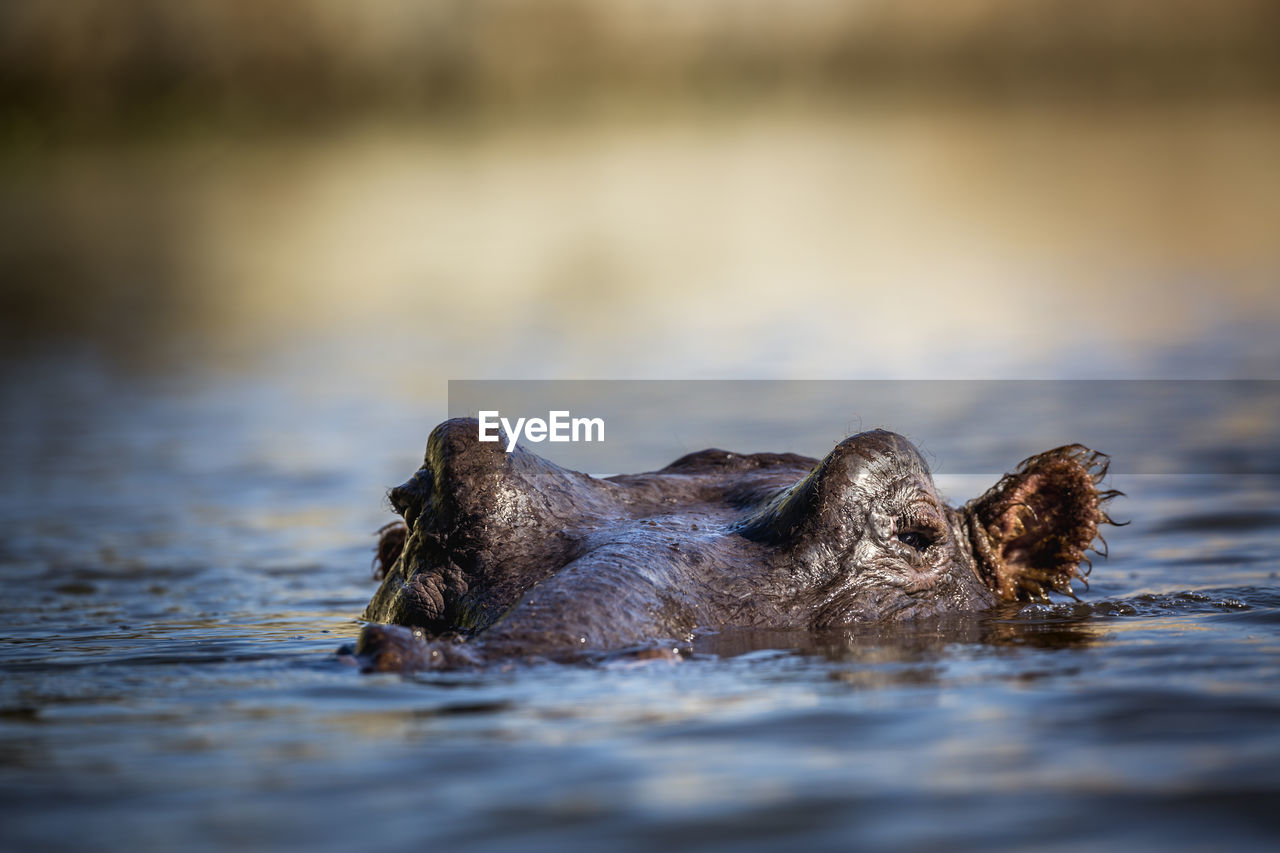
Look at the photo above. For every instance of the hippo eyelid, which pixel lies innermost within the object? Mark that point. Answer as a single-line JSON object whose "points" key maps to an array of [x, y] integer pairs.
{"points": [[920, 540], [920, 527], [922, 515]]}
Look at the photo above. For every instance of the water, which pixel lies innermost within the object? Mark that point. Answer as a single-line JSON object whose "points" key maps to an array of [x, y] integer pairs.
{"points": [[178, 578], [189, 484]]}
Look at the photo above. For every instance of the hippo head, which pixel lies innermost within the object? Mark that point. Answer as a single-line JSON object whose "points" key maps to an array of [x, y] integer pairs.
{"points": [[515, 555], [876, 540]]}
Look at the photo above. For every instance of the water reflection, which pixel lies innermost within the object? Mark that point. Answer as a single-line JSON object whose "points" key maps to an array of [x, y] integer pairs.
{"points": [[1077, 241], [874, 645]]}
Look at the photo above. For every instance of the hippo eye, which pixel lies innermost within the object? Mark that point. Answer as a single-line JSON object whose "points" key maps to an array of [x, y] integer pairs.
{"points": [[914, 539]]}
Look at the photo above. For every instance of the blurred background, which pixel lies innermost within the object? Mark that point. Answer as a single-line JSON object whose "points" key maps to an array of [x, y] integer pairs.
{"points": [[393, 193], [244, 247]]}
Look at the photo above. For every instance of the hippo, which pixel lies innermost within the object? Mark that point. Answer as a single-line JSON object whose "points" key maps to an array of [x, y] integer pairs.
{"points": [[505, 556]]}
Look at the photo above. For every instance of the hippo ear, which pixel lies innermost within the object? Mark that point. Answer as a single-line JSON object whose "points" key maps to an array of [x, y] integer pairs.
{"points": [[1031, 530]]}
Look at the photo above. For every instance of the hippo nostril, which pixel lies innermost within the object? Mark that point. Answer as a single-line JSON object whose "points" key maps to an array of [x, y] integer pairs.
{"points": [[405, 502], [409, 498], [399, 501]]}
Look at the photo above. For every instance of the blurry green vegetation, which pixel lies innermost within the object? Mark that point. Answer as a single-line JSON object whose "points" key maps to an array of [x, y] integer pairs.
{"points": [[109, 65]]}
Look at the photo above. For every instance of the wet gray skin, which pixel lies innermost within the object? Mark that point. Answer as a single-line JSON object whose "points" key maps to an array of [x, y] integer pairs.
{"points": [[505, 556]]}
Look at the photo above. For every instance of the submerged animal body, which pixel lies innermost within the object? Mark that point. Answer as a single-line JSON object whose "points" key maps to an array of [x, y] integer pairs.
{"points": [[504, 555]]}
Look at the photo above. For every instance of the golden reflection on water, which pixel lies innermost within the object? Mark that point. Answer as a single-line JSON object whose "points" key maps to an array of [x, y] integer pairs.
{"points": [[785, 241]]}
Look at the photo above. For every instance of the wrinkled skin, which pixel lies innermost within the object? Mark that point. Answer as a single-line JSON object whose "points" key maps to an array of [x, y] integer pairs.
{"points": [[507, 556]]}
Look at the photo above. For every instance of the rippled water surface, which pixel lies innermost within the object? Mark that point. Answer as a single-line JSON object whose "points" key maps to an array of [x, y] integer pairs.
{"points": [[181, 559]]}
